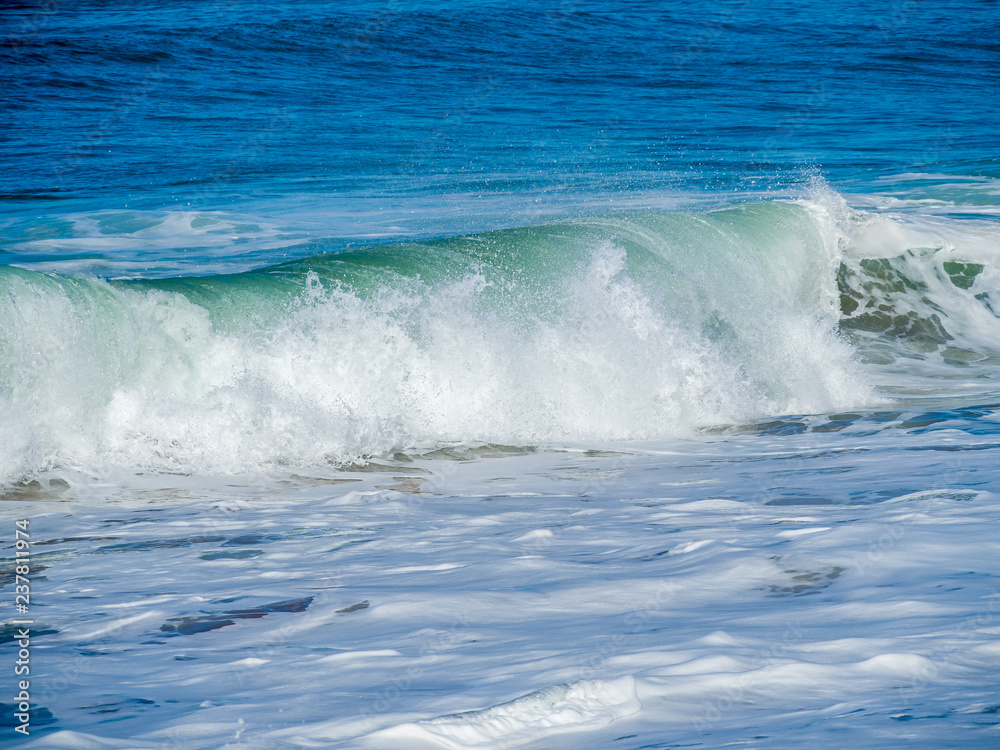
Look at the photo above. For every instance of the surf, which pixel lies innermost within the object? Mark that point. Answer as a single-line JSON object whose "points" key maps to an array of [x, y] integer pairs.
{"points": [[629, 327]]}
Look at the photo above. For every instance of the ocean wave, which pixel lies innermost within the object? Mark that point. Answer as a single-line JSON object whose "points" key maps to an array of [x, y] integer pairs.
{"points": [[634, 327]]}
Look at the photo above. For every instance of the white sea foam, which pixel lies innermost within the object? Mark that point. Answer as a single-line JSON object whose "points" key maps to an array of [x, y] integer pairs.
{"points": [[653, 327], [563, 708], [143, 243], [153, 380], [805, 593]]}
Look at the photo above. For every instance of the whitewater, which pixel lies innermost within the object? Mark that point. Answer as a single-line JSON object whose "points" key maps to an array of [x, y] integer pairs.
{"points": [[593, 329], [590, 329]]}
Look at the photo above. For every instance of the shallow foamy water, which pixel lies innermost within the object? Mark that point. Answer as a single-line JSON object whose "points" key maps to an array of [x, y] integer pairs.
{"points": [[803, 581]]}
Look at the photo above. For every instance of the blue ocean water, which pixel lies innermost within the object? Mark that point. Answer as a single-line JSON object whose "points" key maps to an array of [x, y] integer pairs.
{"points": [[422, 110], [274, 274]]}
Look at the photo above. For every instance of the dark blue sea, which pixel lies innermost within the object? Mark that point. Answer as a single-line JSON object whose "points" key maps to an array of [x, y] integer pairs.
{"points": [[492, 374]]}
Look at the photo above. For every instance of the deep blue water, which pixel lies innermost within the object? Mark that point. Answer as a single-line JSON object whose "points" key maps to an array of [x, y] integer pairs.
{"points": [[214, 103]]}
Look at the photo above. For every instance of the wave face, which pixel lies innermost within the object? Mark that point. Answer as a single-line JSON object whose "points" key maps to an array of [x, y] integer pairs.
{"points": [[626, 328], [923, 293]]}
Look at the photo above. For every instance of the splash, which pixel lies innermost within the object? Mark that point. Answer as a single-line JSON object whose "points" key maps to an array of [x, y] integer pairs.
{"points": [[628, 328]]}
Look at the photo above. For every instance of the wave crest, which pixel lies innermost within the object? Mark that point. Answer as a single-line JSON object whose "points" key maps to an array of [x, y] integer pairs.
{"points": [[620, 329]]}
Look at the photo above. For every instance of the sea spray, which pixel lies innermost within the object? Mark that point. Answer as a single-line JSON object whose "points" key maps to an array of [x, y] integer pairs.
{"points": [[623, 328]]}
